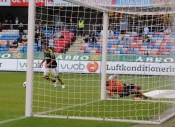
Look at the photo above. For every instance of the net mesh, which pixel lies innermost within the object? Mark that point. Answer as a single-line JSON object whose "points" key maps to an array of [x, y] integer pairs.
{"points": [[140, 50]]}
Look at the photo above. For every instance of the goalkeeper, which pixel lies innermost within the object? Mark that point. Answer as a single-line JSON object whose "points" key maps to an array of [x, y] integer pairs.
{"points": [[113, 86]]}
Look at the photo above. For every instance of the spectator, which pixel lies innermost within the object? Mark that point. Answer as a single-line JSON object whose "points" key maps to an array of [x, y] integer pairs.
{"points": [[21, 29], [51, 26], [11, 24], [92, 36], [15, 43], [146, 30], [81, 26], [86, 39], [40, 24], [62, 36], [101, 33], [110, 33], [20, 39], [99, 29], [95, 39], [70, 23], [91, 33], [8, 45], [51, 42], [24, 38], [16, 23], [1, 27], [146, 39], [41, 33], [57, 34], [139, 31], [37, 31], [1, 19], [39, 42], [59, 24], [38, 17], [6, 26], [56, 18], [45, 27], [73, 29], [167, 31], [122, 41], [123, 26], [117, 29], [146, 53]]}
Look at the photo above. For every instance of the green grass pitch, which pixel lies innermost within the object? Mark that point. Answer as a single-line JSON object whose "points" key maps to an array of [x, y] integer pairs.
{"points": [[81, 97]]}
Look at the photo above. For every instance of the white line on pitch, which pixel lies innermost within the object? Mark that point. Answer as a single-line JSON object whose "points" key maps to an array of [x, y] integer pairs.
{"points": [[67, 107], [10, 120]]}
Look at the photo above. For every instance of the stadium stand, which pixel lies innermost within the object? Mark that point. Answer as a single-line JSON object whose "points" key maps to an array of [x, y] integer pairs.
{"points": [[159, 44], [60, 45]]}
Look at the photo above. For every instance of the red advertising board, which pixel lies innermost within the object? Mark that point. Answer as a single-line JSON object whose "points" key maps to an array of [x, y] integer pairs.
{"points": [[25, 2]]}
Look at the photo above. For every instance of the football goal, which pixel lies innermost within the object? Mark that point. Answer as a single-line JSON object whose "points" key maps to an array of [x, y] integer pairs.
{"points": [[84, 42]]}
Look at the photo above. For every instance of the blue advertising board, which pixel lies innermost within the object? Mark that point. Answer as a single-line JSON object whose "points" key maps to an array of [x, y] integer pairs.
{"points": [[143, 3]]}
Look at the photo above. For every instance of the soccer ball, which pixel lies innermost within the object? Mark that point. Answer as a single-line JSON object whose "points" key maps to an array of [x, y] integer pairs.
{"points": [[24, 84]]}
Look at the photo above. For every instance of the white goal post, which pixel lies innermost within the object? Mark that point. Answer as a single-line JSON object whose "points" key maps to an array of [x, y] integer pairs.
{"points": [[127, 53]]}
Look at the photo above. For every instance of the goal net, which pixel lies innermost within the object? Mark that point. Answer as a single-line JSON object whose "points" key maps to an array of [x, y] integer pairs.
{"points": [[94, 39]]}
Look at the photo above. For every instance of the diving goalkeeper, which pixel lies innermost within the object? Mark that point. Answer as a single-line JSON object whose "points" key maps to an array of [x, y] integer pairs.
{"points": [[113, 86]]}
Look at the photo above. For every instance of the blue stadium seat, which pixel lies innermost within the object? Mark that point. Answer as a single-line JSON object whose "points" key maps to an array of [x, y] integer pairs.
{"points": [[116, 34], [109, 37], [115, 43], [5, 49], [110, 52], [150, 47], [133, 35], [122, 52], [47, 31], [110, 43], [1, 49], [151, 33], [169, 44], [118, 49], [156, 47], [125, 46], [25, 47], [173, 33], [155, 35], [135, 52], [130, 49], [91, 45], [109, 46], [168, 47], [99, 35], [25, 50], [153, 41], [100, 49], [172, 53], [145, 43], [86, 51], [35, 47], [21, 50], [3, 46], [126, 38]]}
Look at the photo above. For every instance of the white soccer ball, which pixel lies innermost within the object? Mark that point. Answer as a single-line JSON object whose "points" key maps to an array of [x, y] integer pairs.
{"points": [[24, 84]]}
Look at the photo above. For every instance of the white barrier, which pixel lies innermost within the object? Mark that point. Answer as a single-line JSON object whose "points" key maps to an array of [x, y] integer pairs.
{"points": [[69, 66]]}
